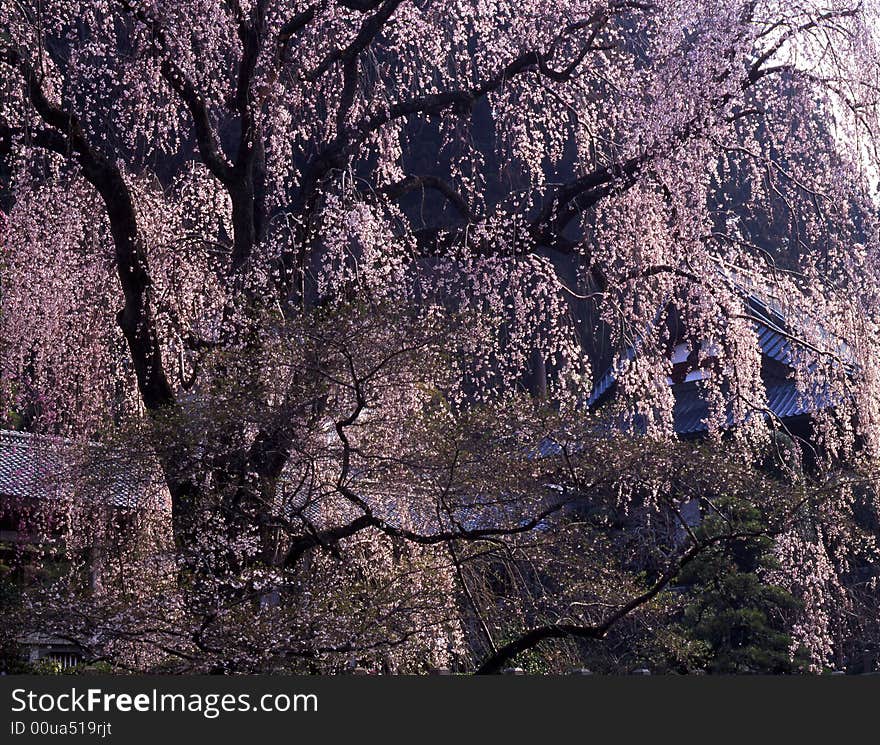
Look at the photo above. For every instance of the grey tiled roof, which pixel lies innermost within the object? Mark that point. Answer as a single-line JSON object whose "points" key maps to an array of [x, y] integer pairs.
{"points": [[30, 466], [41, 467]]}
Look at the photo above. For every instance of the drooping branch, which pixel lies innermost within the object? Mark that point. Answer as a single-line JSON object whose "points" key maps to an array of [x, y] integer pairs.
{"points": [[757, 71], [565, 202], [461, 100]]}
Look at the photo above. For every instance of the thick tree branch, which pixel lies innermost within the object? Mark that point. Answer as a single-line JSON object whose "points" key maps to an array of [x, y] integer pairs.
{"points": [[206, 138], [369, 29], [331, 536], [66, 137], [362, 6], [290, 29]]}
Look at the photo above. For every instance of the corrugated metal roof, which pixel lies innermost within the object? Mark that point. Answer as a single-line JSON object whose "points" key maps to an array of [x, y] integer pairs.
{"points": [[607, 381], [783, 398], [690, 409]]}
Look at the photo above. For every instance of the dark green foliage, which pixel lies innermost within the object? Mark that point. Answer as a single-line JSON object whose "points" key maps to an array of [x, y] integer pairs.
{"points": [[733, 611], [11, 660]]}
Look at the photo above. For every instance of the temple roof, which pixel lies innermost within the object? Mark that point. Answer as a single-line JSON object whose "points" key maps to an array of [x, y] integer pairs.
{"points": [[784, 399]]}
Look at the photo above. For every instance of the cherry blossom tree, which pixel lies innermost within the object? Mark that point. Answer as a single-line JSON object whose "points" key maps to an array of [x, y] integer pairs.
{"points": [[301, 260]]}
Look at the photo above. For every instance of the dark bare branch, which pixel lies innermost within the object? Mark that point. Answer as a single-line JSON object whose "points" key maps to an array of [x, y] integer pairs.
{"points": [[532, 638], [206, 138]]}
